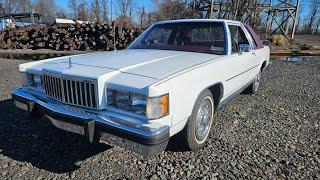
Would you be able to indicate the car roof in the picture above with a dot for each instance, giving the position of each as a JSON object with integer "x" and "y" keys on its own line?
{"x": 198, "y": 20}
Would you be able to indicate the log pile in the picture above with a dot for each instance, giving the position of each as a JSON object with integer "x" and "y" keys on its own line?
{"x": 91, "y": 36}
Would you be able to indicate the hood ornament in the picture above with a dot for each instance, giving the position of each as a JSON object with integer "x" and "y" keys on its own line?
{"x": 70, "y": 63}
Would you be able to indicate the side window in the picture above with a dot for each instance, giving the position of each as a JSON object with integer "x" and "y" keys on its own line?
{"x": 243, "y": 38}
{"x": 238, "y": 38}
{"x": 234, "y": 39}
{"x": 252, "y": 40}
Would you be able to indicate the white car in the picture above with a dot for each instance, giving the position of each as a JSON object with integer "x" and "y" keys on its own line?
{"x": 170, "y": 81}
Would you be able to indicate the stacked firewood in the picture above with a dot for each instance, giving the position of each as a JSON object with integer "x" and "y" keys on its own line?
{"x": 89, "y": 36}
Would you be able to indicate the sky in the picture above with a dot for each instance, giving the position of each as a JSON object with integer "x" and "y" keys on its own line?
{"x": 149, "y": 5}
{"x": 139, "y": 3}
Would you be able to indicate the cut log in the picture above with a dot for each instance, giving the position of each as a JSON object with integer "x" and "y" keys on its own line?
{"x": 92, "y": 36}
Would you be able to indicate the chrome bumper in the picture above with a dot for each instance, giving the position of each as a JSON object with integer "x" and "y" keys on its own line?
{"x": 106, "y": 125}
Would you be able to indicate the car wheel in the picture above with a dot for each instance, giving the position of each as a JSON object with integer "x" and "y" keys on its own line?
{"x": 199, "y": 124}
{"x": 253, "y": 88}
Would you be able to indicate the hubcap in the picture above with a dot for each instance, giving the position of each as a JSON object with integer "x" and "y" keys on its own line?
{"x": 203, "y": 119}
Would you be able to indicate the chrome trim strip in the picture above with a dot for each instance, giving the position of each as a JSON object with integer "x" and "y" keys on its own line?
{"x": 71, "y": 87}
{"x": 52, "y": 87}
{"x": 58, "y": 89}
{"x": 67, "y": 89}
{"x": 81, "y": 99}
{"x": 91, "y": 101}
{"x": 49, "y": 87}
{"x": 85, "y": 93}
{"x": 76, "y": 91}
{"x": 233, "y": 95}
{"x": 62, "y": 90}
{"x": 242, "y": 73}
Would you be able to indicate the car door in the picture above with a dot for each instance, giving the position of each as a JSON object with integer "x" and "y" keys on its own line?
{"x": 255, "y": 51}
{"x": 240, "y": 61}
{"x": 246, "y": 47}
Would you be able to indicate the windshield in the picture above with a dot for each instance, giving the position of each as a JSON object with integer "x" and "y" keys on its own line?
{"x": 202, "y": 37}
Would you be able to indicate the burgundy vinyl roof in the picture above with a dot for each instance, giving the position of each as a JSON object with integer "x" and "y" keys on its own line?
{"x": 255, "y": 36}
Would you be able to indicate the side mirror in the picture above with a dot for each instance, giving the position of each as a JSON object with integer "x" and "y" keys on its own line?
{"x": 244, "y": 47}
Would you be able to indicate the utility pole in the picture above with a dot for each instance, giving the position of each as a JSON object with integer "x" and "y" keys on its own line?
{"x": 296, "y": 19}
{"x": 211, "y": 10}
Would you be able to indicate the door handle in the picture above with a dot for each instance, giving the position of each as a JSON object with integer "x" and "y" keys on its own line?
{"x": 254, "y": 53}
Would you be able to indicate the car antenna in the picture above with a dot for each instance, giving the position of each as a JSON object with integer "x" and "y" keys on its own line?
{"x": 114, "y": 36}
{"x": 114, "y": 26}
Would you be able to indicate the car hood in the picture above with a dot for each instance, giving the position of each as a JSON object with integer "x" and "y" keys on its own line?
{"x": 155, "y": 64}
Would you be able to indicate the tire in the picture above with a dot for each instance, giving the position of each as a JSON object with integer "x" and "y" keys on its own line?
{"x": 253, "y": 88}
{"x": 193, "y": 137}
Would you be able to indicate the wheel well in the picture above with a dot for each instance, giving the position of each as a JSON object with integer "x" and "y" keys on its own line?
{"x": 264, "y": 64}
{"x": 217, "y": 93}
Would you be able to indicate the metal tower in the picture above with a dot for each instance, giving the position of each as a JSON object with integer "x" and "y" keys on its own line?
{"x": 273, "y": 16}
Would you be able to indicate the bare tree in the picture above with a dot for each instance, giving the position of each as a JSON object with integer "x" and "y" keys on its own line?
{"x": 16, "y": 6}
{"x": 104, "y": 10}
{"x": 82, "y": 13}
{"x": 125, "y": 18}
{"x": 73, "y": 5}
{"x": 45, "y": 7}
{"x": 142, "y": 16}
{"x": 315, "y": 11}
{"x": 125, "y": 7}
{"x": 173, "y": 9}
{"x": 61, "y": 13}
{"x": 96, "y": 10}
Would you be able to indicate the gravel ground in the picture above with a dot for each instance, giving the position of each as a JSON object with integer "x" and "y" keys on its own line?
{"x": 271, "y": 135}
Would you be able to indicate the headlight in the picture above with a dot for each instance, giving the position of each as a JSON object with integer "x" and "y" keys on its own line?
{"x": 122, "y": 98}
{"x": 26, "y": 79}
{"x": 111, "y": 97}
{"x": 36, "y": 81}
{"x": 127, "y": 101}
{"x": 152, "y": 108}
{"x": 138, "y": 100}
{"x": 31, "y": 80}
{"x": 158, "y": 107}
{"x": 138, "y": 103}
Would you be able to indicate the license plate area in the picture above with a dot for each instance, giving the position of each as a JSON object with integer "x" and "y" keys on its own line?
{"x": 67, "y": 126}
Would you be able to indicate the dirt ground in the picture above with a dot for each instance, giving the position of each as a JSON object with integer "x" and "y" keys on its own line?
{"x": 313, "y": 40}
{"x": 300, "y": 42}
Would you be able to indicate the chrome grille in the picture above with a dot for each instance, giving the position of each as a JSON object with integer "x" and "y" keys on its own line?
{"x": 71, "y": 91}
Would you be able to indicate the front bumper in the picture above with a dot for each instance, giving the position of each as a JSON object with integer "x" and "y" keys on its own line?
{"x": 107, "y": 126}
